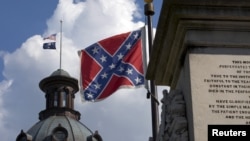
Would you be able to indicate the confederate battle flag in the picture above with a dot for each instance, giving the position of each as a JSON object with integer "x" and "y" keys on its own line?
{"x": 110, "y": 64}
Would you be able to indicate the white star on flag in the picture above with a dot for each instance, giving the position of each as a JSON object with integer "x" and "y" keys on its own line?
{"x": 129, "y": 71}
{"x": 103, "y": 58}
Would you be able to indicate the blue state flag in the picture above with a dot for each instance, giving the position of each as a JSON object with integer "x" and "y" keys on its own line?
{"x": 49, "y": 45}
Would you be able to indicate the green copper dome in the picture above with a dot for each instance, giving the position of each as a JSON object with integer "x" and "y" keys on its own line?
{"x": 60, "y": 72}
{"x": 60, "y": 128}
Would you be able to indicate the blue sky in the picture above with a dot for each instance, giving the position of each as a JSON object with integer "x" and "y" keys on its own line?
{"x": 23, "y": 62}
{"x": 23, "y": 19}
{"x": 27, "y": 18}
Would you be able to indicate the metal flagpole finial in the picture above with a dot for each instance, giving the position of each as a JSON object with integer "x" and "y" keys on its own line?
{"x": 149, "y": 8}
{"x": 148, "y": 1}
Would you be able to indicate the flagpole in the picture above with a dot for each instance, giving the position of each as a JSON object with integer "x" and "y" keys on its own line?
{"x": 60, "y": 44}
{"x": 149, "y": 11}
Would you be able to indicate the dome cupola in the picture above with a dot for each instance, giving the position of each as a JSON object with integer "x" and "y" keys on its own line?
{"x": 59, "y": 89}
{"x": 59, "y": 121}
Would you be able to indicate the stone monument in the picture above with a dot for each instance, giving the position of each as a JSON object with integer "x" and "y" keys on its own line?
{"x": 202, "y": 51}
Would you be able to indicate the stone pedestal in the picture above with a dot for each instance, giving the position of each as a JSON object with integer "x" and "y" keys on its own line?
{"x": 202, "y": 50}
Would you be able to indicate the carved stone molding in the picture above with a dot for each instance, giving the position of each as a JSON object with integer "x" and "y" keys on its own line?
{"x": 173, "y": 117}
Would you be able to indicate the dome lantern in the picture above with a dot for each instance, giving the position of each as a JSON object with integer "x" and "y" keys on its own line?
{"x": 59, "y": 121}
